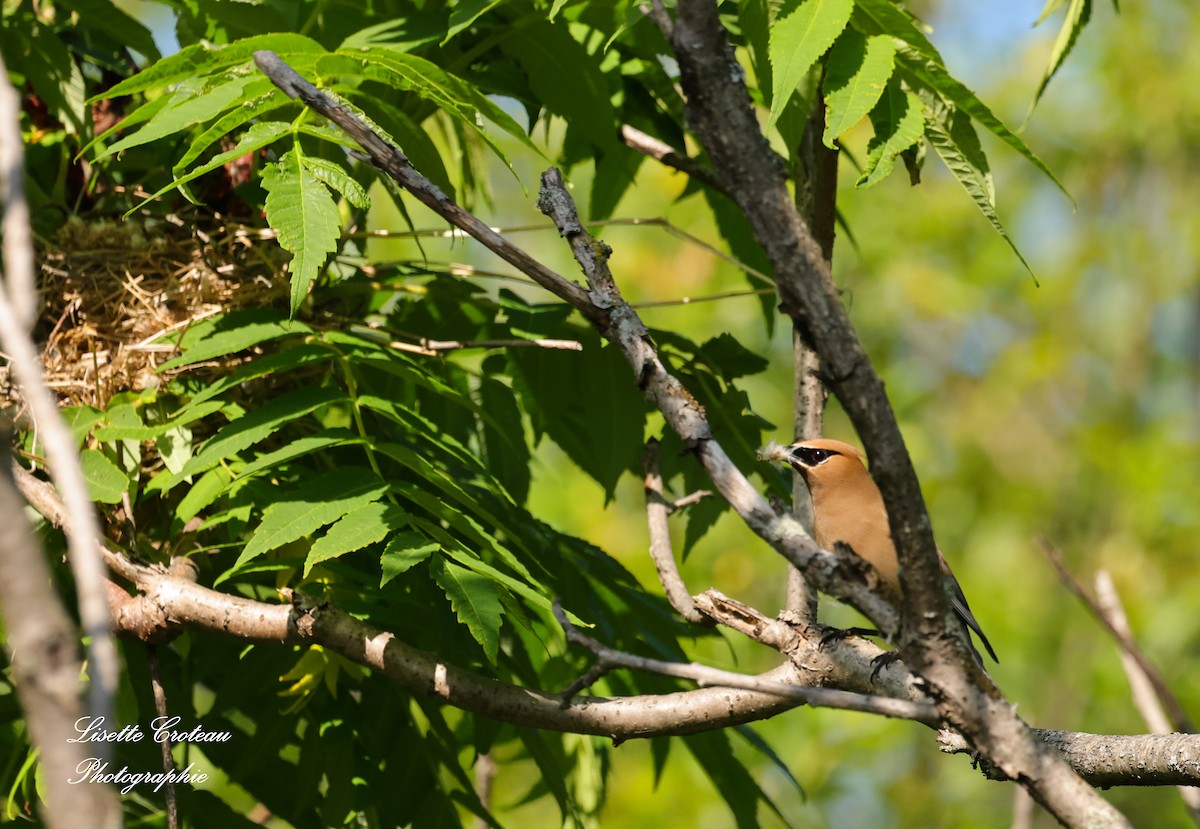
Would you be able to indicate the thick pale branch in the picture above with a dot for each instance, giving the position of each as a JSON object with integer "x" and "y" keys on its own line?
{"x": 43, "y": 646}
{"x": 16, "y": 310}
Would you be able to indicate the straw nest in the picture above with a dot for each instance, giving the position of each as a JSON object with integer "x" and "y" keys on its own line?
{"x": 115, "y": 295}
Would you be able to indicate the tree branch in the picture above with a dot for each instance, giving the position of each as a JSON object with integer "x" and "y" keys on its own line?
{"x": 718, "y": 111}
{"x": 657, "y": 512}
{"x": 17, "y": 301}
{"x": 43, "y": 648}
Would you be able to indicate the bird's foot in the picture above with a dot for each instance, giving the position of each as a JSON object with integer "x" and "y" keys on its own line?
{"x": 882, "y": 661}
{"x": 838, "y": 634}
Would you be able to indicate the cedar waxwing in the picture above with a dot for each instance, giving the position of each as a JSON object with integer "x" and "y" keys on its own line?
{"x": 848, "y": 507}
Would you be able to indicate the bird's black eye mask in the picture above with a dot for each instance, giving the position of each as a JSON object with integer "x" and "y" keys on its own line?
{"x": 811, "y": 456}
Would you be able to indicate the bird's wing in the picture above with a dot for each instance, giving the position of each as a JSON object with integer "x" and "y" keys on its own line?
{"x": 959, "y": 602}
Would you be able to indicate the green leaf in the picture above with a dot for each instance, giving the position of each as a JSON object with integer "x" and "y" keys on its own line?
{"x": 466, "y": 12}
{"x": 730, "y": 359}
{"x": 231, "y": 333}
{"x": 886, "y": 17}
{"x": 319, "y": 501}
{"x": 305, "y": 216}
{"x": 566, "y": 79}
{"x": 305, "y": 445}
{"x": 202, "y": 493}
{"x": 260, "y": 97}
{"x": 258, "y": 425}
{"x": 52, "y": 72}
{"x": 203, "y": 59}
{"x": 922, "y": 71}
{"x": 855, "y": 78}
{"x": 803, "y": 31}
{"x": 504, "y": 446}
{"x": 1078, "y": 14}
{"x": 404, "y": 551}
{"x": 80, "y": 420}
{"x": 476, "y": 602}
{"x": 335, "y": 177}
{"x": 287, "y": 359}
{"x": 899, "y": 121}
{"x": 118, "y": 431}
{"x": 355, "y": 530}
{"x": 191, "y": 103}
{"x": 105, "y": 481}
{"x": 950, "y": 132}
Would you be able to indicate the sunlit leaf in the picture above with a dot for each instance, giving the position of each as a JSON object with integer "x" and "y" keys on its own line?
{"x": 304, "y": 214}
{"x": 855, "y": 78}
{"x": 803, "y": 31}
{"x": 355, "y": 530}
{"x": 476, "y": 602}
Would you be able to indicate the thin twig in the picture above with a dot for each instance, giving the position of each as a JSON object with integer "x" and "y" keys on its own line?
{"x": 1144, "y": 696}
{"x": 1178, "y": 717}
{"x": 667, "y": 155}
{"x": 657, "y": 511}
{"x": 160, "y": 708}
{"x": 707, "y": 676}
{"x": 390, "y": 160}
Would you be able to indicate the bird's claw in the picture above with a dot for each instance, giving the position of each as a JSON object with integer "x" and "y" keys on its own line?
{"x": 882, "y": 661}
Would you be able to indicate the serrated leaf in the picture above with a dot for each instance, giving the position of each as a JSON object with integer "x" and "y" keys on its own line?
{"x": 922, "y": 71}
{"x": 855, "y": 77}
{"x": 305, "y": 445}
{"x": 319, "y": 501}
{"x": 305, "y": 216}
{"x": 337, "y": 179}
{"x": 886, "y": 17}
{"x": 204, "y": 58}
{"x": 899, "y": 121}
{"x": 259, "y": 424}
{"x": 476, "y": 603}
{"x": 287, "y": 359}
{"x": 566, "y": 79}
{"x": 585, "y": 401}
{"x": 191, "y": 103}
{"x": 260, "y": 96}
{"x": 1078, "y": 14}
{"x": 730, "y": 359}
{"x": 1050, "y": 8}
{"x": 119, "y": 431}
{"x": 466, "y": 12}
{"x": 105, "y": 481}
{"x": 231, "y": 333}
{"x": 803, "y": 31}
{"x": 504, "y": 446}
{"x": 355, "y": 530}
{"x": 207, "y": 489}
{"x": 404, "y": 551}
{"x": 952, "y": 135}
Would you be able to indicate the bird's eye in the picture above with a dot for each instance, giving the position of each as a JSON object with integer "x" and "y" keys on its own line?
{"x": 811, "y": 456}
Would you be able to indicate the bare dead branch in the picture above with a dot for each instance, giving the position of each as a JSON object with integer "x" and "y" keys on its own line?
{"x": 1145, "y": 695}
{"x": 667, "y": 155}
{"x": 1129, "y": 648}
